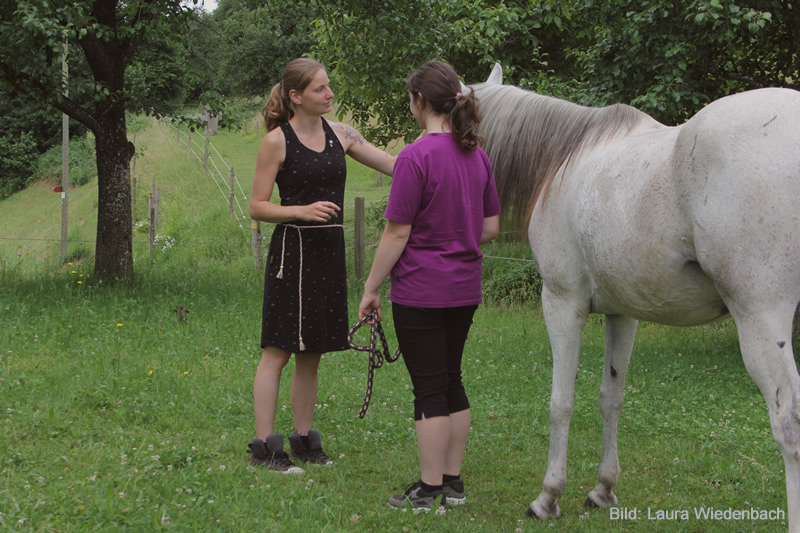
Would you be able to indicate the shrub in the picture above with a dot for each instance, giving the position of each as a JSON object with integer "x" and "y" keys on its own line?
{"x": 511, "y": 282}
{"x": 82, "y": 162}
{"x": 17, "y": 163}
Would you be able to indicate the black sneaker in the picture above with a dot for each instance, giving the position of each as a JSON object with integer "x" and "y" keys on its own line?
{"x": 419, "y": 500}
{"x": 271, "y": 455}
{"x": 309, "y": 449}
{"x": 454, "y": 491}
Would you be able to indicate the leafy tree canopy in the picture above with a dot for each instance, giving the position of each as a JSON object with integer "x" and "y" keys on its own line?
{"x": 668, "y": 58}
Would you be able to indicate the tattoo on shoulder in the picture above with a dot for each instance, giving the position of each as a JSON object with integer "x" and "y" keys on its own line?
{"x": 349, "y": 132}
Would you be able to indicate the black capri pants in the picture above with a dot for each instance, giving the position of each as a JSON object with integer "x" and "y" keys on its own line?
{"x": 432, "y": 342}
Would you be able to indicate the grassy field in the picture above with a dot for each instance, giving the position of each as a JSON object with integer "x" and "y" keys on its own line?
{"x": 121, "y": 412}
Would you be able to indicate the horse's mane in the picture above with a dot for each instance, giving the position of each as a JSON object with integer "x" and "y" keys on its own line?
{"x": 530, "y": 136}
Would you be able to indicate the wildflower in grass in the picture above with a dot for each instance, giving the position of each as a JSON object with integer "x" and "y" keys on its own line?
{"x": 151, "y": 372}
{"x": 119, "y": 325}
{"x": 80, "y": 282}
{"x": 186, "y": 373}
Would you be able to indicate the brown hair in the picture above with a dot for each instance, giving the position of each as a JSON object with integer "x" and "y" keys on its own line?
{"x": 440, "y": 87}
{"x": 297, "y": 75}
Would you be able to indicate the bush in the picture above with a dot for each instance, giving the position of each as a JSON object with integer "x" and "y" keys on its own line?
{"x": 374, "y": 214}
{"x": 17, "y": 163}
{"x": 510, "y": 282}
{"x": 82, "y": 162}
{"x": 137, "y": 123}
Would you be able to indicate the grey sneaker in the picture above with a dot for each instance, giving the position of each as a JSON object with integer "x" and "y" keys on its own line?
{"x": 309, "y": 449}
{"x": 419, "y": 500}
{"x": 271, "y": 455}
{"x": 454, "y": 491}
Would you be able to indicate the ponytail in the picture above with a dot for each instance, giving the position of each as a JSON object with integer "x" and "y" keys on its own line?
{"x": 464, "y": 119}
{"x": 278, "y": 108}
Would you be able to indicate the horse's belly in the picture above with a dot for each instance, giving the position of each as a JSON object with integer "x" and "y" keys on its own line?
{"x": 682, "y": 296}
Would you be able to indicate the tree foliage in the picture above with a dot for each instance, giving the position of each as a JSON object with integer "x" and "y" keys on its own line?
{"x": 668, "y": 58}
{"x": 260, "y": 40}
{"x": 671, "y": 58}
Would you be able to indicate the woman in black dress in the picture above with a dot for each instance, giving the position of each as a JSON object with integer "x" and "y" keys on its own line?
{"x": 305, "y": 287}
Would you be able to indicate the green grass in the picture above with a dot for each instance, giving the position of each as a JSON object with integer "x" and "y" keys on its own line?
{"x": 117, "y": 415}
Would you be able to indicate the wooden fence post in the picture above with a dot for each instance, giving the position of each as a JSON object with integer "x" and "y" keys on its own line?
{"x": 358, "y": 255}
{"x": 256, "y": 130}
{"x": 244, "y": 126}
{"x": 153, "y": 206}
{"x": 380, "y": 179}
{"x": 205, "y": 158}
{"x": 133, "y": 196}
{"x": 230, "y": 200}
{"x": 157, "y": 202}
{"x": 188, "y": 143}
{"x": 257, "y": 244}
{"x": 151, "y": 219}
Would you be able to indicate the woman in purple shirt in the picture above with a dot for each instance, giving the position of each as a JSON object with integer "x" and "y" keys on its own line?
{"x": 442, "y": 206}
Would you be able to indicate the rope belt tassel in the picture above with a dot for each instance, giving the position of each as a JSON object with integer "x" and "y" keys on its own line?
{"x": 376, "y": 355}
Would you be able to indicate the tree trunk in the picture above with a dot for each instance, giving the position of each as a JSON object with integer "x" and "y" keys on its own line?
{"x": 114, "y": 249}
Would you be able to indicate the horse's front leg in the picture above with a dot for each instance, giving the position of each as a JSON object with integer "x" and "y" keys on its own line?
{"x": 564, "y": 320}
{"x": 620, "y": 334}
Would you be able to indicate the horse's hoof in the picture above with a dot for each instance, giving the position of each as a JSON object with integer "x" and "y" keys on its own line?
{"x": 530, "y": 513}
{"x": 544, "y": 513}
{"x": 596, "y": 501}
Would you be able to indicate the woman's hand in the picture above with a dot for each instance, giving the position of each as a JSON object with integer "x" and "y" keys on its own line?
{"x": 319, "y": 212}
{"x": 369, "y": 302}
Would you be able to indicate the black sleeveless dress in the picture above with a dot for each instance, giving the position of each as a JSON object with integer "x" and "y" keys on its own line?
{"x": 305, "y": 283}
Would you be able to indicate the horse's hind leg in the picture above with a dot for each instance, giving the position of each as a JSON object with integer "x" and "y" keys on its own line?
{"x": 564, "y": 320}
{"x": 766, "y": 343}
{"x": 620, "y": 334}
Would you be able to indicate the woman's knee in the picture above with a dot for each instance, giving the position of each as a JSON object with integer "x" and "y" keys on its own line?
{"x": 276, "y": 358}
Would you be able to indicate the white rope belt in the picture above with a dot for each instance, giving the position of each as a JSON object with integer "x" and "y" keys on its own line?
{"x": 302, "y": 346}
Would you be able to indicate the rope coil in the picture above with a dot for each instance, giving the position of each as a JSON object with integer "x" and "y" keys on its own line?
{"x": 376, "y": 355}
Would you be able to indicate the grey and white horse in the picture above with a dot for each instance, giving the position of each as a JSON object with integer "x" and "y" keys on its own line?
{"x": 677, "y": 225}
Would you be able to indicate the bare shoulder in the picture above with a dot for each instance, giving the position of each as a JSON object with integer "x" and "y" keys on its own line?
{"x": 274, "y": 139}
{"x": 273, "y": 144}
{"x": 347, "y": 134}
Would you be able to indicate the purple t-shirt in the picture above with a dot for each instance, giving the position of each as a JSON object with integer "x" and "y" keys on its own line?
{"x": 444, "y": 192}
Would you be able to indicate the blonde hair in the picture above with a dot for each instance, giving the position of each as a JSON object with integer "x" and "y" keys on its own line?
{"x": 297, "y": 75}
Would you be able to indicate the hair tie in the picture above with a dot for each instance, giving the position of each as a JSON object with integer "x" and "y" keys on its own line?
{"x": 458, "y": 95}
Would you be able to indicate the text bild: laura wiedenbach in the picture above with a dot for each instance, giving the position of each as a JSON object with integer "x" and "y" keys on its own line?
{"x": 700, "y": 513}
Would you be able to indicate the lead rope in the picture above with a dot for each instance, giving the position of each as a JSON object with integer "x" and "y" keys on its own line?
{"x": 376, "y": 356}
